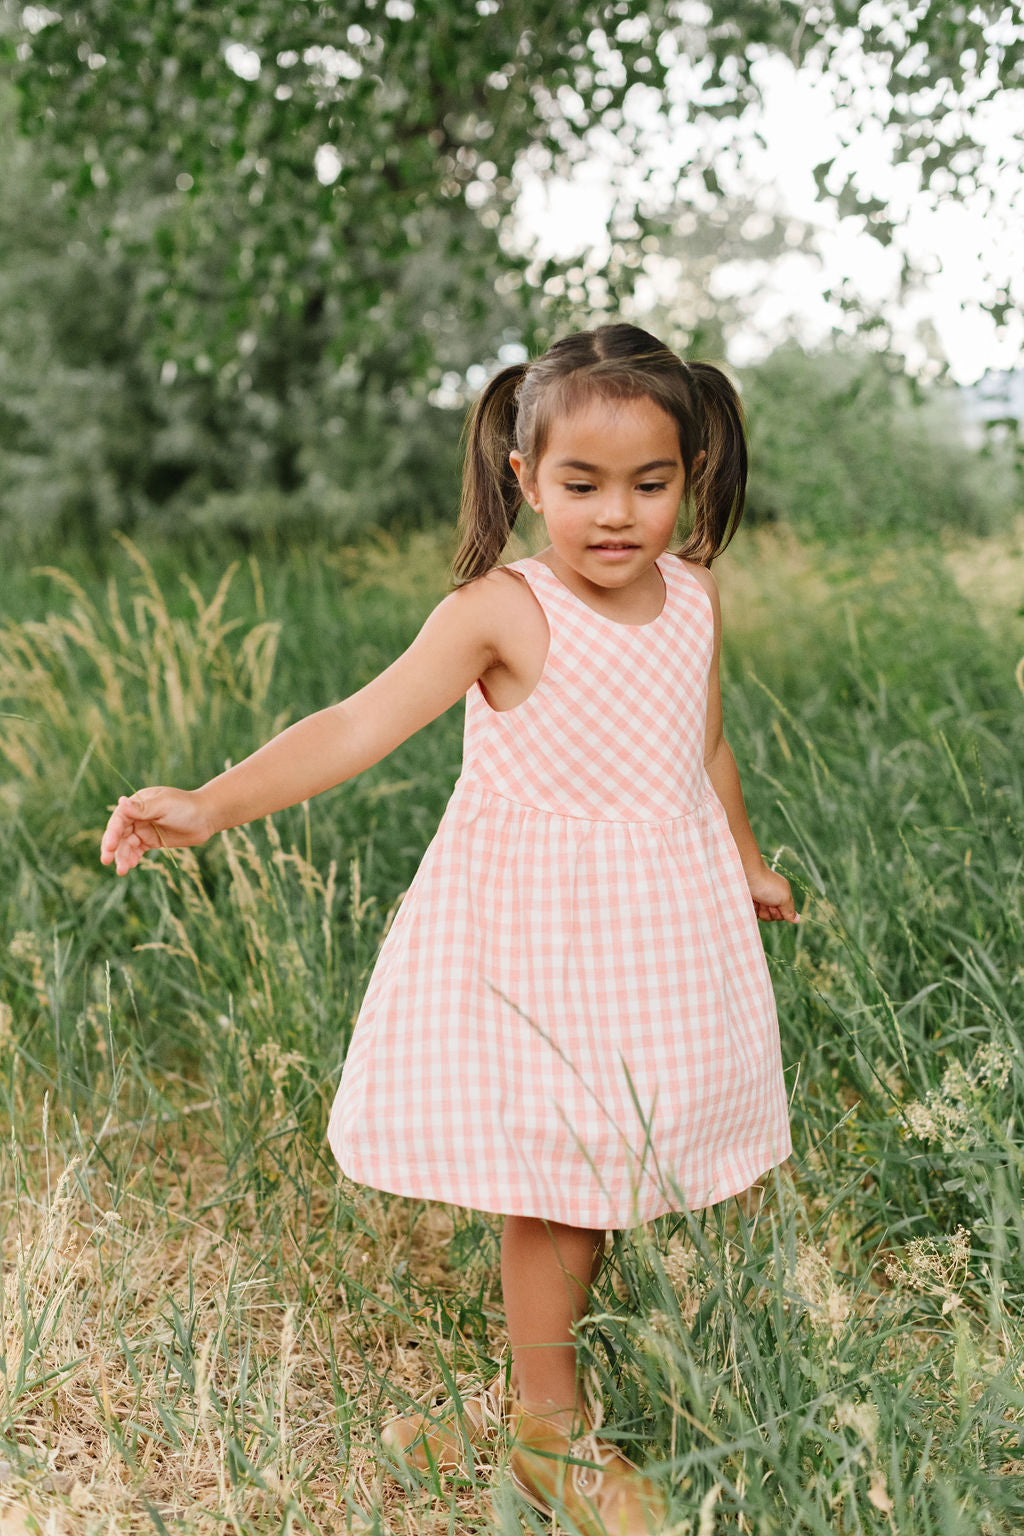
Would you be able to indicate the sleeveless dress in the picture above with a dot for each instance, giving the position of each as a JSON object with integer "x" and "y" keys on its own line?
{"x": 571, "y": 1015}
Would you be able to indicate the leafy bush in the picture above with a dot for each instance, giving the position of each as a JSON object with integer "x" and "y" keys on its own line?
{"x": 843, "y": 443}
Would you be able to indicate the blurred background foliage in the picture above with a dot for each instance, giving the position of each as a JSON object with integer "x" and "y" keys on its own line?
{"x": 254, "y": 263}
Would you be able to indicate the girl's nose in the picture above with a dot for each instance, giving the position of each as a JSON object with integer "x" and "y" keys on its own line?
{"x": 615, "y": 509}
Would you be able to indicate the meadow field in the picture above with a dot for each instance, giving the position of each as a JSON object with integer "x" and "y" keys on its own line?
{"x": 202, "y": 1324}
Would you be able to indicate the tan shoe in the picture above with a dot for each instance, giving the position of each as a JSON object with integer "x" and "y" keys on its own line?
{"x": 582, "y": 1476}
{"x": 450, "y": 1436}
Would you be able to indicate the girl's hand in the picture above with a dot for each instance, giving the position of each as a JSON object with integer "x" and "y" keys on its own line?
{"x": 772, "y": 896}
{"x": 156, "y": 817}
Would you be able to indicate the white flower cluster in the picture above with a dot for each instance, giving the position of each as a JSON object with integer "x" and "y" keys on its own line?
{"x": 950, "y": 1113}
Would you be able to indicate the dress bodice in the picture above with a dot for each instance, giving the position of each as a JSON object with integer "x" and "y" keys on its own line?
{"x": 615, "y": 726}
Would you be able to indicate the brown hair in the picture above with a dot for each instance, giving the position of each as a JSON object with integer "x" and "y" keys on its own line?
{"x": 619, "y": 362}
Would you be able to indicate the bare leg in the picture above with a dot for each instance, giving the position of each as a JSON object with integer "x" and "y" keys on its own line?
{"x": 547, "y": 1270}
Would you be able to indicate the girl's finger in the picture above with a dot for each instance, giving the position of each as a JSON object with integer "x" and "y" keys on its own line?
{"x": 119, "y": 823}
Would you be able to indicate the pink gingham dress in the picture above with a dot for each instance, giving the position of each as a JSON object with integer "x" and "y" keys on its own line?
{"x": 571, "y": 1015}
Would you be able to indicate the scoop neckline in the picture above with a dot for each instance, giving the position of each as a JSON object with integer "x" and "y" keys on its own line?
{"x": 618, "y": 623}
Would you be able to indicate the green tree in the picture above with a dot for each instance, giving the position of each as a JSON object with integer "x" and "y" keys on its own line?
{"x": 199, "y": 131}
{"x": 97, "y": 433}
{"x": 249, "y": 253}
{"x": 275, "y": 160}
{"x": 844, "y": 442}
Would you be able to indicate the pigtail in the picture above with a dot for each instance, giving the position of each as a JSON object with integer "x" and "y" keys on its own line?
{"x": 719, "y": 483}
{"x": 491, "y": 496}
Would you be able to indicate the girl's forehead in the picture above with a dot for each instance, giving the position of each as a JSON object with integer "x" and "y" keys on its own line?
{"x": 615, "y": 426}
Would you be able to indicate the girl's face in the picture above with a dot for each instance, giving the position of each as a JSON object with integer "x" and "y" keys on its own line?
{"x": 608, "y": 485}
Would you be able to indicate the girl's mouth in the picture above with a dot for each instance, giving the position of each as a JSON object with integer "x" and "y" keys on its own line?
{"x": 614, "y": 552}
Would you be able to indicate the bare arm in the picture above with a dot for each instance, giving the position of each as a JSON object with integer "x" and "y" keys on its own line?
{"x": 718, "y": 758}
{"x": 769, "y": 890}
{"x": 725, "y": 776}
{"x": 452, "y": 649}
{"x": 337, "y": 743}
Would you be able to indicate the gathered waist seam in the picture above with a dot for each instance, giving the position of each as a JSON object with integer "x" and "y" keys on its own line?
{"x": 611, "y": 821}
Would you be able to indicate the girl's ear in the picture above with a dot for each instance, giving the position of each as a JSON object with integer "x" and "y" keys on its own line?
{"x": 695, "y": 465}
{"x": 527, "y": 484}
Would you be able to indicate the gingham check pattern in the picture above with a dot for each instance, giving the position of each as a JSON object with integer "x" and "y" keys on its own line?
{"x": 571, "y": 1015}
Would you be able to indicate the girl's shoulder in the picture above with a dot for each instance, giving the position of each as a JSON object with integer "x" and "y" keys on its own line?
{"x": 500, "y": 584}
{"x": 495, "y": 585}
{"x": 504, "y": 603}
{"x": 701, "y": 572}
{"x": 508, "y": 588}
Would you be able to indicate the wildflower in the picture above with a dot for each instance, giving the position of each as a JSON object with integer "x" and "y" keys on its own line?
{"x": 952, "y": 1113}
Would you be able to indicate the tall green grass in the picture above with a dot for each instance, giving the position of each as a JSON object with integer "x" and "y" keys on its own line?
{"x": 202, "y": 1323}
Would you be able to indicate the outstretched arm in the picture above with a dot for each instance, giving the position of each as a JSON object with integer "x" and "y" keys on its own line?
{"x": 453, "y": 648}
{"x": 769, "y": 890}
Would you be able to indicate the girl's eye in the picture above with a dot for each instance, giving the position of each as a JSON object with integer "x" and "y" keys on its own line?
{"x": 580, "y": 487}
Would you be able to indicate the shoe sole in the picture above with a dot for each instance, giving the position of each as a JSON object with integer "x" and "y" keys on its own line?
{"x": 531, "y": 1498}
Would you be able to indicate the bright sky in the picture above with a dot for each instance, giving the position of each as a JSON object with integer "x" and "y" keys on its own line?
{"x": 969, "y": 253}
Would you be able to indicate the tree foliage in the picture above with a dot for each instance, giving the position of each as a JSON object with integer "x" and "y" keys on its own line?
{"x": 197, "y": 133}
{"x": 842, "y": 442}
{"x": 202, "y": 130}
{"x": 250, "y": 253}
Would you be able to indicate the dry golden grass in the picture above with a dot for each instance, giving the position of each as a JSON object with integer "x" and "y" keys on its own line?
{"x": 149, "y": 1348}
{"x": 990, "y": 571}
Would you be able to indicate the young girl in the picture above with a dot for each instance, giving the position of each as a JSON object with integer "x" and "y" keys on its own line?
{"x": 571, "y": 1020}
